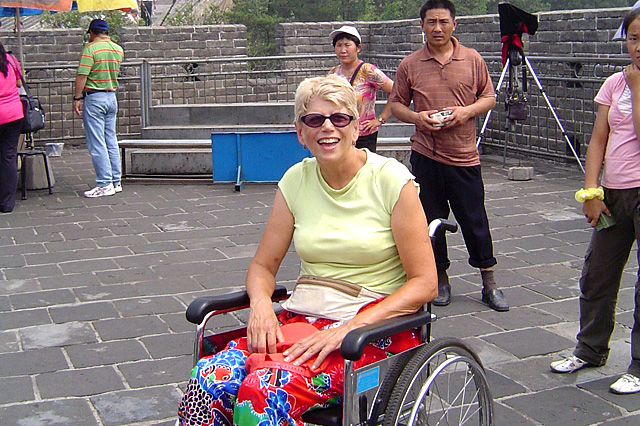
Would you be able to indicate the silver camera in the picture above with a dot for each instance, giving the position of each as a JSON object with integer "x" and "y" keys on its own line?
{"x": 440, "y": 116}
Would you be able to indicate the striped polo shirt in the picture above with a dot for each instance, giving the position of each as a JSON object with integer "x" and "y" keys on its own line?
{"x": 100, "y": 62}
{"x": 460, "y": 81}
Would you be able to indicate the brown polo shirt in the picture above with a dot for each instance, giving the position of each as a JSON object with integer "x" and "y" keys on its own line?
{"x": 432, "y": 86}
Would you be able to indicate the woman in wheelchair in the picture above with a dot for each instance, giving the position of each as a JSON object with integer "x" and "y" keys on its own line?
{"x": 357, "y": 224}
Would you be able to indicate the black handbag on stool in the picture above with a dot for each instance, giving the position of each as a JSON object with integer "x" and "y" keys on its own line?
{"x": 33, "y": 112}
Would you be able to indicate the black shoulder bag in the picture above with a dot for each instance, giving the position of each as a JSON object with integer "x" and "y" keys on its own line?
{"x": 33, "y": 112}
{"x": 355, "y": 73}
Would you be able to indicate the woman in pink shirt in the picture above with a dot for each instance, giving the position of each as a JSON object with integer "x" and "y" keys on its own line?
{"x": 613, "y": 210}
{"x": 11, "y": 116}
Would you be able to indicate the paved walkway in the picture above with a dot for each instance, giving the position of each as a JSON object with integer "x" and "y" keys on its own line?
{"x": 93, "y": 293}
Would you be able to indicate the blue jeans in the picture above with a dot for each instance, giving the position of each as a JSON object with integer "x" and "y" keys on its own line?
{"x": 99, "y": 117}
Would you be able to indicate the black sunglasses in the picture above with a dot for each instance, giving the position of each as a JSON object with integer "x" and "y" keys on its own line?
{"x": 338, "y": 119}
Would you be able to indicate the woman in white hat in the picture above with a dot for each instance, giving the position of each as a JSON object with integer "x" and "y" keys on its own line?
{"x": 366, "y": 79}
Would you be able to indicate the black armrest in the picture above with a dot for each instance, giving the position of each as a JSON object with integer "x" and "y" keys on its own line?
{"x": 201, "y": 306}
{"x": 355, "y": 341}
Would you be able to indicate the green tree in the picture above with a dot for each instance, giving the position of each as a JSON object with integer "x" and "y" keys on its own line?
{"x": 74, "y": 19}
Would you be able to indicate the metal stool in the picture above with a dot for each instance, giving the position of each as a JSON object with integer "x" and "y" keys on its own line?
{"x": 28, "y": 152}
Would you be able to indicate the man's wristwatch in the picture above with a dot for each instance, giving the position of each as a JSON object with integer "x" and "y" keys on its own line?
{"x": 382, "y": 120}
{"x": 78, "y": 99}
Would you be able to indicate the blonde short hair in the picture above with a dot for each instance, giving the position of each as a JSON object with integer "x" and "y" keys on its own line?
{"x": 330, "y": 88}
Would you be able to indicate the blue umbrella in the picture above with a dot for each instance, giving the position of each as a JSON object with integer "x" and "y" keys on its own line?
{"x": 22, "y": 11}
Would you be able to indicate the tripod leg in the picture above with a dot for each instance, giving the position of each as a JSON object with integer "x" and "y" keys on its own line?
{"x": 486, "y": 119}
{"x": 553, "y": 112}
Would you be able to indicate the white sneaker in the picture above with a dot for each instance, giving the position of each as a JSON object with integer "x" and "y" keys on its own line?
{"x": 569, "y": 364}
{"x": 118, "y": 188}
{"x": 100, "y": 191}
{"x": 626, "y": 384}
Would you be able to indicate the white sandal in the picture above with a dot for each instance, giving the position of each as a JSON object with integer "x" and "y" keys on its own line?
{"x": 569, "y": 364}
{"x": 626, "y": 384}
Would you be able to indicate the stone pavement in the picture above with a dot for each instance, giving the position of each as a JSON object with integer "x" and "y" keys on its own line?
{"x": 93, "y": 294}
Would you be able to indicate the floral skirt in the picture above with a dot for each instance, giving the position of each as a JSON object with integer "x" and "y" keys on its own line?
{"x": 221, "y": 392}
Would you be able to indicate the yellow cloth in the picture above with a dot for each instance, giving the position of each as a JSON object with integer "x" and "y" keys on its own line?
{"x": 87, "y": 5}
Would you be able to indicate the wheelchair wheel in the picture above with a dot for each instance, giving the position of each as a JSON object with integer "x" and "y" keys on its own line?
{"x": 443, "y": 384}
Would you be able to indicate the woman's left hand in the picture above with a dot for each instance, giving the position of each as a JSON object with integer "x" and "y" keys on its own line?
{"x": 321, "y": 343}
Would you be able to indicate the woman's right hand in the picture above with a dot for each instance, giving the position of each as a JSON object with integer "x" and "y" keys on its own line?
{"x": 592, "y": 210}
{"x": 263, "y": 330}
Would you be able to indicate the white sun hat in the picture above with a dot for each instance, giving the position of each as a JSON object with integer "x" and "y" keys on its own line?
{"x": 348, "y": 29}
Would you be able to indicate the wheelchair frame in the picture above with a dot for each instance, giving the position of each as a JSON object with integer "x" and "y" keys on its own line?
{"x": 370, "y": 392}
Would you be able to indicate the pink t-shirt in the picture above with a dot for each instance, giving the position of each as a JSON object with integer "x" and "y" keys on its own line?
{"x": 368, "y": 80}
{"x": 10, "y": 104}
{"x": 622, "y": 157}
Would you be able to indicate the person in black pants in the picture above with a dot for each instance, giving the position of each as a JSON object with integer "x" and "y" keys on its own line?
{"x": 11, "y": 115}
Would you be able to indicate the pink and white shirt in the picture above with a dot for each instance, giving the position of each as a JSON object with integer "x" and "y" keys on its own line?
{"x": 622, "y": 156}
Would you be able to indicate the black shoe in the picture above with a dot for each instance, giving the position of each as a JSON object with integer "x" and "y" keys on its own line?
{"x": 444, "y": 295}
{"x": 496, "y": 300}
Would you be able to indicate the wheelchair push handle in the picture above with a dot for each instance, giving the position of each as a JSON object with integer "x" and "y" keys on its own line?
{"x": 440, "y": 226}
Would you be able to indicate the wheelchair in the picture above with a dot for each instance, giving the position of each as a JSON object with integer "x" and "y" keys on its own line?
{"x": 439, "y": 382}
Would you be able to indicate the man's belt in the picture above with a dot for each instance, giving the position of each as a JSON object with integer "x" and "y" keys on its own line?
{"x": 91, "y": 92}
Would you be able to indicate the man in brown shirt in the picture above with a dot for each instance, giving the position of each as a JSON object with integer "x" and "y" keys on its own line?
{"x": 448, "y": 78}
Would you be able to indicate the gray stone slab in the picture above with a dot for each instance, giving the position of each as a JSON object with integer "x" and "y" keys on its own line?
{"x": 624, "y": 421}
{"x": 518, "y": 317}
{"x": 160, "y": 247}
{"x": 502, "y": 386}
{"x": 9, "y": 341}
{"x": 601, "y": 388}
{"x": 148, "y": 306}
{"x": 522, "y": 296}
{"x": 564, "y": 406}
{"x": 106, "y": 353}
{"x": 32, "y": 362}
{"x": 50, "y": 413}
{"x": 507, "y": 416}
{"x": 82, "y": 382}
{"x": 126, "y": 276}
{"x": 42, "y": 298}
{"x": 568, "y": 310}
{"x": 86, "y": 311}
{"x": 107, "y": 292}
{"x": 16, "y": 389}
{"x": 57, "y": 335}
{"x": 23, "y": 318}
{"x": 91, "y": 265}
{"x": 556, "y": 289}
{"x": 157, "y": 372}
{"x": 140, "y": 405}
{"x": 137, "y": 261}
{"x": 462, "y": 326}
{"x": 169, "y": 345}
{"x": 123, "y": 328}
{"x": 529, "y": 342}
{"x": 26, "y": 272}
{"x": 8, "y": 286}
{"x": 171, "y": 286}
{"x": 85, "y": 279}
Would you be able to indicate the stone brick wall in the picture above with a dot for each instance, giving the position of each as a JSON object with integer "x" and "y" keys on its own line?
{"x": 56, "y": 46}
{"x": 563, "y": 33}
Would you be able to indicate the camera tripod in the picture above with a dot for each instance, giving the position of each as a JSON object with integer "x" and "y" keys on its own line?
{"x": 517, "y": 58}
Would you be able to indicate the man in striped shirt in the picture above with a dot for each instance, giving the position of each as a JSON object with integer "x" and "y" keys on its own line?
{"x": 95, "y": 101}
